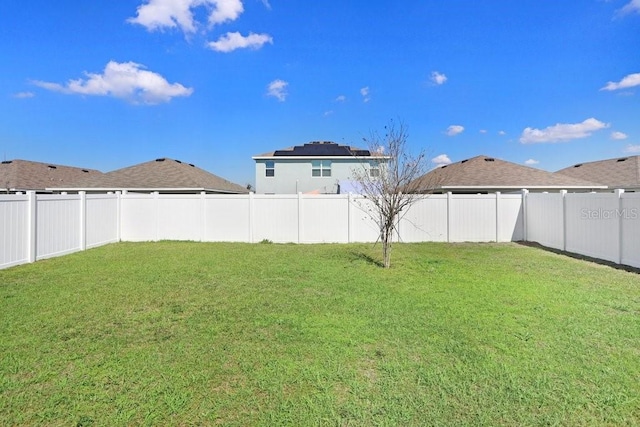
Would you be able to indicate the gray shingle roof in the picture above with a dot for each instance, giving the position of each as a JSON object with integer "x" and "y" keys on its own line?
{"x": 159, "y": 175}
{"x": 21, "y": 175}
{"x": 483, "y": 172}
{"x": 622, "y": 172}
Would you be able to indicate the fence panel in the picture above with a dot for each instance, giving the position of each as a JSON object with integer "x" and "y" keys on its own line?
{"x": 472, "y": 218}
{"x": 180, "y": 217}
{"x": 139, "y": 217}
{"x": 425, "y": 220}
{"x": 510, "y": 218}
{"x": 14, "y": 230}
{"x": 545, "y": 223}
{"x": 101, "y": 219}
{"x": 227, "y": 218}
{"x": 630, "y": 229}
{"x": 363, "y": 229}
{"x": 325, "y": 219}
{"x": 592, "y": 225}
{"x": 276, "y": 218}
{"x": 58, "y": 225}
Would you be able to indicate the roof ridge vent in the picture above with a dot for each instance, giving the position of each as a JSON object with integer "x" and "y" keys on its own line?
{"x": 192, "y": 165}
{"x": 622, "y": 159}
{"x": 160, "y": 160}
{"x": 489, "y": 159}
{"x": 578, "y": 165}
{"x": 177, "y": 161}
{"x": 85, "y": 171}
{"x": 464, "y": 161}
{"x": 52, "y": 167}
{"x": 6, "y": 162}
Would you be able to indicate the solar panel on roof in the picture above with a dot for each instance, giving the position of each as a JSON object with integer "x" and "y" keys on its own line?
{"x": 319, "y": 149}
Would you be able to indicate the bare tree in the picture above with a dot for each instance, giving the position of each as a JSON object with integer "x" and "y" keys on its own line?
{"x": 390, "y": 184}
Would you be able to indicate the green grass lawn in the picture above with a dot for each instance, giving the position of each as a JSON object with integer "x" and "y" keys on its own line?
{"x": 178, "y": 333}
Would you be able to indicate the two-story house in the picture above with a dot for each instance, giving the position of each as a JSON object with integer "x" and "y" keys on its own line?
{"x": 317, "y": 167}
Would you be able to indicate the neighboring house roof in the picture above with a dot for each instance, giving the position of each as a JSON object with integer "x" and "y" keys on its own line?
{"x": 164, "y": 175}
{"x": 319, "y": 149}
{"x": 622, "y": 172}
{"x": 483, "y": 173}
{"x": 23, "y": 175}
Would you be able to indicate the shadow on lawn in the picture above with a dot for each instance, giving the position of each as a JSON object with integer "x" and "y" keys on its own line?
{"x": 361, "y": 256}
{"x": 582, "y": 257}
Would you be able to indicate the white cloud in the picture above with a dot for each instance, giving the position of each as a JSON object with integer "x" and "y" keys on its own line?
{"x": 232, "y": 41}
{"x": 341, "y": 98}
{"x": 483, "y": 131}
{"x": 266, "y": 4}
{"x": 502, "y": 133}
{"x": 225, "y": 10}
{"x": 126, "y": 80}
{"x": 365, "y": 94}
{"x": 618, "y": 135}
{"x": 632, "y": 149}
{"x": 531, "y": 162}
{"x": 561, "y": 132}
{"x": 454, "y": 130}
{"x": 631, "y": 80}
{"x": 278, "y": 89}
{"x": 441, "y": 160}
{"x": 438, "y": 78}
{"x": 328, "y": 113}
{"x": 160, "y": 14}
{"x": 24, "y": 95}
{"x": 632, "y": 6}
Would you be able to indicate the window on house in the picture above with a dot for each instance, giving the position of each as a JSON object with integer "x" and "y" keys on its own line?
{"x": 321, "y": 168}
{"x": 374, "y": 169}
{"x": 270, "y": 168}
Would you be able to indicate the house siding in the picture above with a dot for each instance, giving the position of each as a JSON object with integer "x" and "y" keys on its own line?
{"x": 294, "y": 175}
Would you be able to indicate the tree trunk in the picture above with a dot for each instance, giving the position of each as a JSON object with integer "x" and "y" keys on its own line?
{"x": 386, "y": 247}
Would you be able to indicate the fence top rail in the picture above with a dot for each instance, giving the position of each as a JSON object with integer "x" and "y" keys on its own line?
{"x": 13, "y": 197}
{"x": 57, "y": 197}
{"x": 597, "y": 195}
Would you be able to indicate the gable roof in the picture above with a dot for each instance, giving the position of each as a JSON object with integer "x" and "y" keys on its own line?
{"x": 166, "y": 175}
{"x": 319, "y": 149}
{"x": 490, "y": 174}
{"x": 23, "y": 175}
{"x": 622, "y": 172}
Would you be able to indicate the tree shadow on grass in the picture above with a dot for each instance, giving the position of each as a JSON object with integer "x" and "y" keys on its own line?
{"x": 573, "y": 255}
{"x": 361, "y": 256}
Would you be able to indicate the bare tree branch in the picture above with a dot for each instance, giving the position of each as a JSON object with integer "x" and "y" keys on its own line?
{"x": 395, "y": 186}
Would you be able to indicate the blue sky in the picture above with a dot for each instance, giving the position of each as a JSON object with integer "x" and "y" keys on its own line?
{"x": 109, "y": 84}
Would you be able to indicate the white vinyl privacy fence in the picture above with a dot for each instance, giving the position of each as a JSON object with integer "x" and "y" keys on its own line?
{"x": 315, "y": 218}
{"x": 598, "y": 225}
{"x": 34, "y": 227}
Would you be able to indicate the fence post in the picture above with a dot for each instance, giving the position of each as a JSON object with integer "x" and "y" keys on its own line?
{"x": 525, "y": 207}
{"x": 203, "y": 211}
{"x": 497, "y": 216}
{"x": 563, "y": 194}
{"x": 156, "y": 205}
{"x": 620, "y": 216}
{"x": 33, "y": 224}
{"x": 449, "y": 214}
{"x": 119, "y": 214}
{"x": 251, "y": 216}
{"x": 349, "y": 218}
{"x": 300, "y": 219}
{"x": 83, "y": 220}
